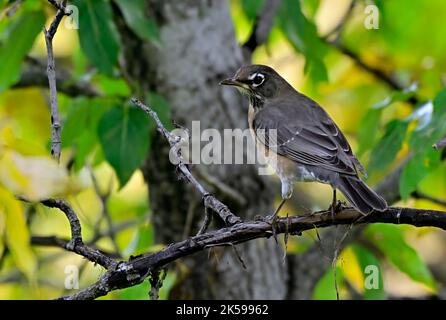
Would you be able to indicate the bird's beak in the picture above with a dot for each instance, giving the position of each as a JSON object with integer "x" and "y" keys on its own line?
{"x": 231, "y": 82}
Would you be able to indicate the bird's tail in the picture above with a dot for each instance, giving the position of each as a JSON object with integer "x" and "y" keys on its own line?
{"x": 361, "y": 196}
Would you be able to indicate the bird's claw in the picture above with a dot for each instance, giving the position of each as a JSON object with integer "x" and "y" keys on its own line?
{"x": 271, "y": 220}
{"x": 336, "y": 208}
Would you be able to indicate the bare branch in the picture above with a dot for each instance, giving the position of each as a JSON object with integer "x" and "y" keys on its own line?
{"x": 206, "y": 222}
{"x": 58, "y": 5}
{"x": 422, "y": 195}
{"x": 440, "y": 144}
{"x": 134, "y": 271}
{"x": 105, "y": 214}
{"x": 222, "y": 187}
{"x": 156, "y": 280}
{"x": 210, "y": 201}
{"x": 129, "y": 273}
{"x": 116, "y": 228}
{"x": 76, "y": 244}
{"x": 34, "y": 74}
{"x": 337, "y": 30}
{"x": 14, "y": 7}
{"x": 262, "y": 26}
{"x": 376, "y": 72}
{"x": 53, "y": 241}
{"x": 51, "y": 71}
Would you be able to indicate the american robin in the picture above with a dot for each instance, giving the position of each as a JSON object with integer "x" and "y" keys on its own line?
{"x": 306, "y": 144}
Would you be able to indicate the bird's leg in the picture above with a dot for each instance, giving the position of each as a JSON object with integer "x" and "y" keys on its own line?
{"x": 274, "y": 219}
{"x": 333, "y": 204}
{"x": 276, "y": 213}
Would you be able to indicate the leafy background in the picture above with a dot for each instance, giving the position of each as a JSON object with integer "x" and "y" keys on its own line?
{"x": 104, "y": 137}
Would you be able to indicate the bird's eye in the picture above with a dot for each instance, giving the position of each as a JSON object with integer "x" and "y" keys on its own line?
{"x": 258, "y": 79}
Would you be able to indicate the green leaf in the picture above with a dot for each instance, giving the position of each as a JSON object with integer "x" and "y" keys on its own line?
{"x": 2, "y": 3}
{"x": 325, "y": 287}
{"x": 368, "y": 129}
{"x": 431, "y": 127}
{"x": 168, "y": 284}
{"x": 389, "y": 239}
{"x": 303, "y": 36}
{"x": 385, "y": 151}
{"x": 112, "y": 86}
{"x": 251, "y": 8}
{"x": 124, "y": 136}
{"x": 143, "y": 238}
{"x": 433, "y": 131}
{"x": 416, "y": 169}
{"x": 86, "y": 143}
{"x": 18, "y": 40}
{"x": 98, "y": 35}
{"x": 138, "y": 292}
{"x": 380, "y": 5}
{"x": 365, "y": 260}
{"x": 80, "y": 127}
{"x": 310, "y": 7}
{"x": 133, "y": 12}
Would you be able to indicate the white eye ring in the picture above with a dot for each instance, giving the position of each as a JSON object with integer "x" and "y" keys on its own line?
{"x": 254, "y": 76}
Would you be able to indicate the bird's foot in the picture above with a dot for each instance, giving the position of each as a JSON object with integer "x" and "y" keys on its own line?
{"x": 272, "y": 221}
{"x": 335, "y": 207}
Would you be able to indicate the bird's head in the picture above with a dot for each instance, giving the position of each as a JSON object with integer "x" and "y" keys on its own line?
{"x": 257, "y": 80}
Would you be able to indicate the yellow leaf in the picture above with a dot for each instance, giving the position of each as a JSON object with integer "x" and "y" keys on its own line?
{"x": 352, "y": 269}
{"x": 9, "y": 141}
{"x": 17, "y": 234}
{"x": 2, "y": 232}
{"x": 35, "y": 178}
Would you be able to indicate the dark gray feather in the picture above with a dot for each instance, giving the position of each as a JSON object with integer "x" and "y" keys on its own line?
{"x": 305, "y": 134}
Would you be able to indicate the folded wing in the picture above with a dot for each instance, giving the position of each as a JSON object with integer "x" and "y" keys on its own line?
{"x": 308, "y": 137}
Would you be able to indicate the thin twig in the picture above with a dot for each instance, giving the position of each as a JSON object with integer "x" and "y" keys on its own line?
{"x": 76, "y": 244}
{"x": 337, "y": 30}
{"x": 223, "y": 188}
{"x": 189, "y": 218}
{"x": 440, "y": 144}
{"x": 34, "y": 74}
{"x": 156, "y": 280}
{"x": 13, "y": 9}
{"x": 116, "y": 229}
{"x": 376, "y": 72}
{"x": 209, "y": 200}
{"x": 206, "y": 222}
{"x": 422, "y": 195}
{"x": 239, "y": 257}
{"x": 103, "y": 198}
{"x": 262, "y": 26}
{"x": 51, "y": 71}
{"x": 53, "y": 241}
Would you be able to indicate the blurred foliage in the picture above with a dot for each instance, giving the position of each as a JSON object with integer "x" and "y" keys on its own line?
{"x": 303, "y": 36}
{"x": 106, "y": 137}
{"x": 17, "y": 39}
{"x": 390, "y": 240}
